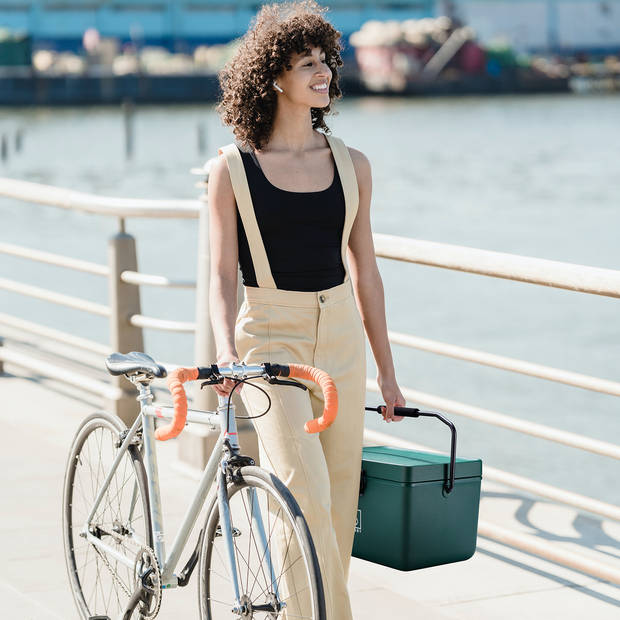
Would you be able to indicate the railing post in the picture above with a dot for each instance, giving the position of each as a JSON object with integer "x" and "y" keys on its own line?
{"x": 196, "y": 444}
{"x": 124, "y": 301}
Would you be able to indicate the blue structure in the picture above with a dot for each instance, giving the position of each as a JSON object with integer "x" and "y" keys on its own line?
{"x": 178, "y": 25}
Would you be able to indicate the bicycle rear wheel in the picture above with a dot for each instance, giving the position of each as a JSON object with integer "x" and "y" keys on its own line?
{"x": 101, "y": 584}
{"x": 281, "y": 566}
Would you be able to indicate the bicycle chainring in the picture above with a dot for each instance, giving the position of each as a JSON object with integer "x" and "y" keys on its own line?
{"x": 148, "y": 575}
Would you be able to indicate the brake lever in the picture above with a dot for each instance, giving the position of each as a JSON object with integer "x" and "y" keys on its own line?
{"x": 274, "y": 380}
{"x": 210, "y": 382}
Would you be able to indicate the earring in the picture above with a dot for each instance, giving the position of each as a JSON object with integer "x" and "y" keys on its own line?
{"x": 277, "y": 87}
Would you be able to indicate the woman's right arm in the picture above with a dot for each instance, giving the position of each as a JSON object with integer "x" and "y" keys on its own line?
{"x": 223, "y": 265}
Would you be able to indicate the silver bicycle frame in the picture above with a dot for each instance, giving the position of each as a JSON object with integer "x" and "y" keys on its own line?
{"x": 216, "y": 465}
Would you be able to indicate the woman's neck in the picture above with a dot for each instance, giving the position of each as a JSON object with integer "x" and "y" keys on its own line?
{"x": 292, "y": 132}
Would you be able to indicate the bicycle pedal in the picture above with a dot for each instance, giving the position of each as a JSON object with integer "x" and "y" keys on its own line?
{"x": 99, "y": 618}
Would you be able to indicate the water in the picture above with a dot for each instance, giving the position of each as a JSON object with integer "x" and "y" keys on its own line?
{"x": 533, "y": 175}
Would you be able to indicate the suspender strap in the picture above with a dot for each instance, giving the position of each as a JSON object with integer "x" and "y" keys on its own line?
{"x": 239, "y": 180}
{"x": 348, "y": 179}
{"x": 346, "y": 171}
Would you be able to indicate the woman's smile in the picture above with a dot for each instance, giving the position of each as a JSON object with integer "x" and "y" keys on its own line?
{"x": 321, "y": 87}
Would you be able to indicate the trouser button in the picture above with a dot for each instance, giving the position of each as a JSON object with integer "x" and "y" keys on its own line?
{"x": 322, "y": 298}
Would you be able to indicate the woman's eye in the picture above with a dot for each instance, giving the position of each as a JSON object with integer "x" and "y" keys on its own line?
{"x": 309, "y": 63}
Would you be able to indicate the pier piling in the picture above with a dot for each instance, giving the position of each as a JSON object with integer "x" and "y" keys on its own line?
{"x": 128, "y": 118}
{"x": 19, "y": 135}
{"x": 201, "y": 134}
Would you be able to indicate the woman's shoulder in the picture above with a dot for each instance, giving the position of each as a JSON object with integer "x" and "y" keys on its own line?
{"x": 361, "y": 165}
{"x": 219, "y": 183}
{"x": 358, "y": 158}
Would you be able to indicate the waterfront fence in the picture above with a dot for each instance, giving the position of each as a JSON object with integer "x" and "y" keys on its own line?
{"x": 127, "y": 323}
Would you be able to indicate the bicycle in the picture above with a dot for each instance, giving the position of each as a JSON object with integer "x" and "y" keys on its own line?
{"x": 112, "y": 514}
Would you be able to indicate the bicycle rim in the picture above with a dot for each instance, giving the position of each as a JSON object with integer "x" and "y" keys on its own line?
{"x": 101, "y": 584}
{"x": 296, "y": 575}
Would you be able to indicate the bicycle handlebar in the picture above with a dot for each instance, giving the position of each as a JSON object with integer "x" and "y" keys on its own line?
{"x": 215, "y": 374}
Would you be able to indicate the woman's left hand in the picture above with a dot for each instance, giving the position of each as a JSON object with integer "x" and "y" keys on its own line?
{"x": 392, "y": 397}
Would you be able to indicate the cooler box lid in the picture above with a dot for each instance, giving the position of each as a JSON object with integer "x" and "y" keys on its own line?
{"x": 414, "y": 466}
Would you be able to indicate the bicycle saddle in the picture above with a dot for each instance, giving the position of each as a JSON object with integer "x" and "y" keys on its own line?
{"x": 126, "y": 363}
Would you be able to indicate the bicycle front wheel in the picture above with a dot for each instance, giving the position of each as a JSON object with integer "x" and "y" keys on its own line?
{"x": 277, "y": 567}
{"x": 101, "y": 584}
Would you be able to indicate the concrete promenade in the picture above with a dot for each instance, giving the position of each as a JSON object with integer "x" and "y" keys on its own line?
{"x": 39, "y": 417}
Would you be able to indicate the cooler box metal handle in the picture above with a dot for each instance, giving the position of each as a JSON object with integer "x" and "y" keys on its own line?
{"x": 413, "y": 412}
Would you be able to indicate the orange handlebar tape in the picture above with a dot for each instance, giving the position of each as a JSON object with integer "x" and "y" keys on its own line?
{"x": 175, "y": 384}
{"x": 330, "y": 395}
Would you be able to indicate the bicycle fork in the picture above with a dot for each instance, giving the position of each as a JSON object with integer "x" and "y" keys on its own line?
{"x": 227, "y": 533}
{"x": 257, "y": 519}
{"x": 226, "y": 528}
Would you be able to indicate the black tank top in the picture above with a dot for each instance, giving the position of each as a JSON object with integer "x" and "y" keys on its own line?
{"x": 301, "y": 231}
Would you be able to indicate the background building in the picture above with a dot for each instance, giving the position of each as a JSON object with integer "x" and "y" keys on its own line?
{"x": 180, "y": 25}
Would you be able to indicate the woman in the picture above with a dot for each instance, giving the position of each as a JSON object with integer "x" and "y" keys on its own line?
{"x": 309, "y": 270}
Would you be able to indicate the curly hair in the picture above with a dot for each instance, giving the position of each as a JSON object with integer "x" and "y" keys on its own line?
{"x": 248, "y": 101}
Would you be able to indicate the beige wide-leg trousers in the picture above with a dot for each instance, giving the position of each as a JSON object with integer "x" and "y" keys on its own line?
{"x": 323, "y": 329}
{"x": 322, "y": 470}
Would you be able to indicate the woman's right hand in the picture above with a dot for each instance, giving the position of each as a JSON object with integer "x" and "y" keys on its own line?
{"x": 223, "y": 389}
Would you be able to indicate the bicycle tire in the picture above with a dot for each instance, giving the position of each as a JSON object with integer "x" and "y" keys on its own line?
{"x": 260, "y": 480}
{"x": 90, "y": 457}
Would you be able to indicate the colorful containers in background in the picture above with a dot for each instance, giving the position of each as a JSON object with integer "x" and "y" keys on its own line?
{"x": 15, "y": 49}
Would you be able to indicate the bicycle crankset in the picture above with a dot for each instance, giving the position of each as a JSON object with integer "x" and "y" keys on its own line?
{"x": 147, "y": 594}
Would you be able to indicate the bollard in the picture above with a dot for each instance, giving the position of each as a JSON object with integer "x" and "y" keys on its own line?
{"x": 201, "y": 135}
{"x": 124, "y": 300}
{"x": 128, "y": 121}
{"x": 19, "y": 134}
{"x": 4, "y": 148}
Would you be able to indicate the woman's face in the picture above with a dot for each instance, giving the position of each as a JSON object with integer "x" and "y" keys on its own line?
{"x": 307, "y": 82}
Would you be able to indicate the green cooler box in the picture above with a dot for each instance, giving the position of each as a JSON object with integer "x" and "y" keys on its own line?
{"x": 417, "y": 509}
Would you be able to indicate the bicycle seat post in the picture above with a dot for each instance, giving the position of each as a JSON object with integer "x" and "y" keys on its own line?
{"x": 142, "y": 381}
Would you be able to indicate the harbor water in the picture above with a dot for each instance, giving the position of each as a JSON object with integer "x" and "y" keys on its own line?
{"x": 535, "y": 176}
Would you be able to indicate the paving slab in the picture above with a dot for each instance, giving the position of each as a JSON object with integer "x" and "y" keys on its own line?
{"x": 39, "y": 418}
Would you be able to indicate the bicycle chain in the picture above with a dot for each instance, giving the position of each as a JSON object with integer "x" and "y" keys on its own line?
{"x": 112, "y": 571}
{"x": 155, "y": 579}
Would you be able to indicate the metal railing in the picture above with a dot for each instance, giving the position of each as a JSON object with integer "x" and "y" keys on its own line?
{"x": 126, "y": 322}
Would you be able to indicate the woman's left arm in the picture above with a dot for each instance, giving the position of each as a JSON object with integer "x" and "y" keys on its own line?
{"x": 368, "y": 288}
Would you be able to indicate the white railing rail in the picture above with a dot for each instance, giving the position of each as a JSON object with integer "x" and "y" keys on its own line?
{"x": 52, "y": 196}
{"x": 507, "y": 363}
{"x": 495, "y": 418}
{"x": 127, "y": 322}
{"x": 570, "y": 276}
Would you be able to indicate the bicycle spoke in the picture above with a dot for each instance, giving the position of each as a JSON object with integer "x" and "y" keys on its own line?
{"x": 285, "y": 556}
{"x": 236, "y": 555}
{"x": 225, "y": 577}
{"x": 249, "y": 570}
{"x": 283, "y": 564}
{"x": 285, "y": 549}
{"x": 253, "y": 538}
{"x": 102, "y": 582}
{"x": 215, "y": 600}
{"x": 249, "y": 518}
